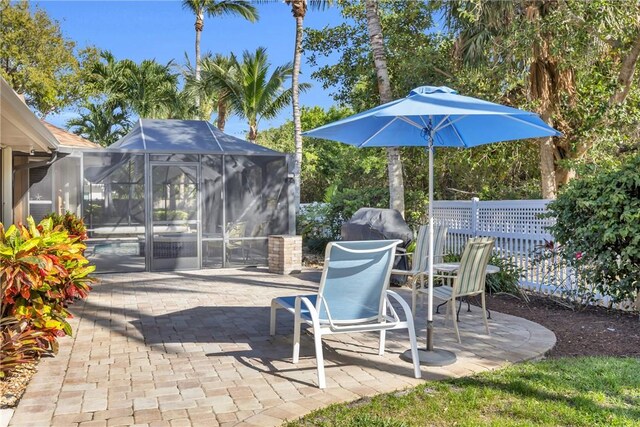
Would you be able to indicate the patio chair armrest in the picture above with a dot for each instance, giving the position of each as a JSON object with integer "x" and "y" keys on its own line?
{"x": 401, "y": 301}
{"x": 297, "y": 306}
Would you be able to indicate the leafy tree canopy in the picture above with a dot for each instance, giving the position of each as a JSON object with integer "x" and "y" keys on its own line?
{"x": 487, "y": 51}
{"x": 37, "y": 60}
{"x": 410, "y": 52}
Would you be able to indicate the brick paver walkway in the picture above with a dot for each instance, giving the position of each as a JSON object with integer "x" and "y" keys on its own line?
{"x": 193, "y": 348}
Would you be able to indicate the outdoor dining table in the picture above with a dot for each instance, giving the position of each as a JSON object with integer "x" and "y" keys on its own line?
{"x": 450, "y": 267}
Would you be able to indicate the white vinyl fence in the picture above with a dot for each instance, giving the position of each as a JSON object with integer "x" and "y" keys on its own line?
{"x": 515, "y": 224}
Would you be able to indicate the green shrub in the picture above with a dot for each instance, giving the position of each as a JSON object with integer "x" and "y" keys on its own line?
{"x": 597, "y": 230}
{"x": 313, "y": 226}
{"x": 321, "y": 223}
{"x": 506, "y": 280}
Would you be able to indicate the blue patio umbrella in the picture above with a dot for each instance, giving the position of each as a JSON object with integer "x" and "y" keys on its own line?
{"x": 434, "y": 117}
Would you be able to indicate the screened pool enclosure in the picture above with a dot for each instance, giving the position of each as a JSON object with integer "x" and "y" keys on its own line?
{"x": 181, "y": 194}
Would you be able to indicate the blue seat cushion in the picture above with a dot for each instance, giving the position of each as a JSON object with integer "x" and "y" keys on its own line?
{"x": 288, "y": 303}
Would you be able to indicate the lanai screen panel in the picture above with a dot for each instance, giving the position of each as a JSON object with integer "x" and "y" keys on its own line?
{"x": 114, "y": 210}
{"x": 212, "y": 199}
{"x": 255, "y": 206}
{"x": 212, "y": 211}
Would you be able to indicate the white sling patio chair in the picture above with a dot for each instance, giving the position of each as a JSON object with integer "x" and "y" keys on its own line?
{"x": 420, "y": 258}
{"x": 353, "y": 297}
{"x": 468, "y": 280}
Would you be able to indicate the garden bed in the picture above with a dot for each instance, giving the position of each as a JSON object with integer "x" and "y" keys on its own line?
{"x": 12, "y": 387}
{"x": 593, "y": 331}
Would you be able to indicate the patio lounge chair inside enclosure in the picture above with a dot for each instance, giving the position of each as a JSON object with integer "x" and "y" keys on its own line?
{"x": 420, "y": 258}
{"x": 353, "y": 297}
{"x": 468, "y": 280}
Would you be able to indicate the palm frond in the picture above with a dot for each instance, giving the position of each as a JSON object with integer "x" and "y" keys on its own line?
{"x": 241, "y": 8}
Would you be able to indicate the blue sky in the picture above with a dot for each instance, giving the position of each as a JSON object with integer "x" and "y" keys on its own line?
{"x": 162, "y": 30}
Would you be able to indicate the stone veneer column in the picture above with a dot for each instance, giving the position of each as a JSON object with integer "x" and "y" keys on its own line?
{"x": 285, "y": 254}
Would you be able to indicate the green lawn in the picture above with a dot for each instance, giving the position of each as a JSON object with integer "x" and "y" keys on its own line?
{"x": 576, "y": 392}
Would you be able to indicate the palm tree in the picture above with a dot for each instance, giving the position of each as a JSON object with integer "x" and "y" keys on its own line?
{"x": 150, "y": 89}
{"x": 394, "y": 162}
{"x": 103, "y": 124}
{"x": 253, "y": 94}
{"x": 210, "y": 95}
{"x": 213, "y": 8}
{"x": 106, "y": 77}
{"x": 299, "y": 10}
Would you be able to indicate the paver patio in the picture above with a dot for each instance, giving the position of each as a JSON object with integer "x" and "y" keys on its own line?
{"x": 193, "y": 348}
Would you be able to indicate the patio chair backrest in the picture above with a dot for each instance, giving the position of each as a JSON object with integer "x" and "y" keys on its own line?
{"x": 354, "y": 280}
{"x": 473, "y": 266}
{"x": 421, "y": 254}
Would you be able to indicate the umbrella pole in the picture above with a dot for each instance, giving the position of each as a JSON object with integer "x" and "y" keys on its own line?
{"x": 430, "y": 263}
{"x": 431, "y": 356}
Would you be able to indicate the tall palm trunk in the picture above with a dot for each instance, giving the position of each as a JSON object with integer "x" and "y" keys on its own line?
{"x": 295, "y": 100}
{"x": 199, "y": 26}
{"x": 253, "y": 132}
{"x": 394, "y": 162}
{"x": 221, "y": 121}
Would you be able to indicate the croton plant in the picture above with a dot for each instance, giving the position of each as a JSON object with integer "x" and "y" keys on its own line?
{"x": 42, "y": 269}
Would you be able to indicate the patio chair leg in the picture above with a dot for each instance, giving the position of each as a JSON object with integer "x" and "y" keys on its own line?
{"x": 383, "y": 334}
{"x": 317, "y": 336}
{"x": 455, "y": 319}
{"x": 296, "y": 340}
{"x": 440, "y": 305}
{"x": 484, "y": 314}
{"x": 272, "y": 323}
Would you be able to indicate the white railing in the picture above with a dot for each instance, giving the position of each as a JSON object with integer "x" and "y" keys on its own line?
{"x": 516, "y": 225}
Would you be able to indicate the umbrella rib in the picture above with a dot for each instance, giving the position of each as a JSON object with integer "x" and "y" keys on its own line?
{"x": 450, "y": 122}
{"x": 409, "y": 121}
{"x": 377, "y": 133}
{"x": 458, "y": 134}
{"x": 531, "y": 124}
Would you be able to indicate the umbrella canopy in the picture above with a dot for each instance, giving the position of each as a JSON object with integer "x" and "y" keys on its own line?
{"x": 434, "y": 117}
{"x": 454, "y": 120}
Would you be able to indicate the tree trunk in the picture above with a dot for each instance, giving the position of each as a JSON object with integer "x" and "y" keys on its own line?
{"x": 199, "y": 27}
{"x": 253, "y": 133}
{"x": 625, "y": 77}
{"x": 394, "y": 162}
{"x": 547, "y": 168}
{"x": 221, "y": 121}
{"x": 295, "y": 100}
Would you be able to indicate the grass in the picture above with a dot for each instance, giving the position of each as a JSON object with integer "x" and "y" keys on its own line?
{"x": 587, "y": 391}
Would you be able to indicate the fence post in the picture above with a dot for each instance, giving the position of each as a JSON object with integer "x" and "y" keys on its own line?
{"x": 474, "y": 216}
